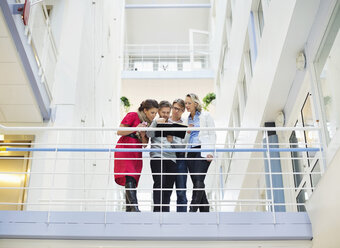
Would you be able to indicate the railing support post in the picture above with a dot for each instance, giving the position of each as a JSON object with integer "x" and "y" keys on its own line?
{"x": 270, "y": 178}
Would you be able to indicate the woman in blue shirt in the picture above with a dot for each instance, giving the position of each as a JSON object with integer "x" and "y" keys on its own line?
{"x": 199, "y": 139}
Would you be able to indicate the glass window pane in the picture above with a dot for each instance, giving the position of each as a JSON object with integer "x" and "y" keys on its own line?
{"x": 311, "y": 137}
{"x": 245, "y": 89}
{"x": 328, "y": 70}
{"x": 167, "y": 66}
{"x": 301, "y": 198}
{"x": 252, "y": 40}
{"x": 295, "y": 141}
{"x": 260, "y": 17}
{"x": 187, "y": 65}
{"x": 315, "y": 178}
{"x": 143, "y": 66}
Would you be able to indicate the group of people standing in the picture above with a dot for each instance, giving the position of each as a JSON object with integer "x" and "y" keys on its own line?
{"x": 165, "y": 165}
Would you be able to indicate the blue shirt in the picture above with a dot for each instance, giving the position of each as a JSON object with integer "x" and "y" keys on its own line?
{"x": 193, "y": 139}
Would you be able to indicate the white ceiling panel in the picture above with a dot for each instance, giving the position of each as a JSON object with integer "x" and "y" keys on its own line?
{"x": 21, "y": 113}
{"x": 8, "y": 51}
{"x": 11, "y": 73}
{"x": 15, "y": 94}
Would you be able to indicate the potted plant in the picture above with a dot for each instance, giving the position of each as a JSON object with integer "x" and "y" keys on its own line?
{"x": 208, "y": 99}
{"x": 126, "y": 103}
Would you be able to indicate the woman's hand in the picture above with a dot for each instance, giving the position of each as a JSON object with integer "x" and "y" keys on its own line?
{"x": 190, "y": 125}
{"x": 142, "y": 124}
{"x": 142, "y": 133}
{"x": 210, "y": 157}
{"x": 170, "y": 138}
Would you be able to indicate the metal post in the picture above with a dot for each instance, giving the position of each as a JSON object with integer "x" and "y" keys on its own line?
{"x": 270, "y": 177}
{"x": 161, "y": 189}
{"x": 52, "y": 181}
{"x": 218, "y": 205}
{"x": 108, "y": 184}
{"x": 84, "y": 176}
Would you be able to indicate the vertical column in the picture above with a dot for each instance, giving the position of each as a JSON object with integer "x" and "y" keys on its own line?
{"x": 275, "y": 177}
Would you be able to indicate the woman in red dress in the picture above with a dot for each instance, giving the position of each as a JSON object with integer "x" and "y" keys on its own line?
{"x": 131, "y": 139}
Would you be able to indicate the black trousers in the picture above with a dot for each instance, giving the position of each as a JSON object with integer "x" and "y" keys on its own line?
{"x": 162, "y": 185}
{"x": 198, "y": 166}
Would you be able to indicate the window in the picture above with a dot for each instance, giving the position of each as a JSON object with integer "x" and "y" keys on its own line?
{"x": 223, "y": 59}
{"x": 47, "y": 9}
{"x": 245, "y": 90}
{"x": 304, "y": 163}
{"x": 251, "y": 44}
{"x": 167, "y": 66}
{"x": 260, "y": 17}
{"x": 187, "y": 65}
{"x": 311, "y": 137}
{"x": 229, "y": 20}
{"x": 328, "y": 73}
{"x": 143, "y": 66}
{"x": 252, "y": 40}
{"x": 242, "y": 92}
{"x": 316, "y": 174}
{"x": 296, "y": 141}
{"x": 236, "y": 117}
{"x": 248, "y": 70}
{"x": 301, "y": 198}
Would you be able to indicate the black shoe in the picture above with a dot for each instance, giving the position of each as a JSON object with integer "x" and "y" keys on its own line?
{"x": 131, "y": 197}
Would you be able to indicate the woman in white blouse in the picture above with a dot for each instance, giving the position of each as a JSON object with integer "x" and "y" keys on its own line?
{"x": 200, "y": 140}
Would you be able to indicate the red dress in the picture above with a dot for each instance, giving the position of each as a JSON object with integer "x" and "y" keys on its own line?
{"x": 128, "y": 166}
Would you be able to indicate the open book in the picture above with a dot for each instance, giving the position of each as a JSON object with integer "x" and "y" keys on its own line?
{"x": 176, "y": 133}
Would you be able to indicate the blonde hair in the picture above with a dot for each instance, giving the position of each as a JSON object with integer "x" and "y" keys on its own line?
{"x": 195, "y": 99}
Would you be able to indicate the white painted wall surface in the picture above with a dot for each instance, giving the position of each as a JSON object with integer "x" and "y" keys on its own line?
{"x": 323, "y": 208}
{"x": 285, "y": 32}
{"x": 87, "y": 90}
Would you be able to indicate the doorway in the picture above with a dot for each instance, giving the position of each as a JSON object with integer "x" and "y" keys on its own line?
{"x": 14, "y": 172}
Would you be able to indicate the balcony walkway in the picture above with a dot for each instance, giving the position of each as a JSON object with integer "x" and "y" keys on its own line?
{"x": 227, "y": 226}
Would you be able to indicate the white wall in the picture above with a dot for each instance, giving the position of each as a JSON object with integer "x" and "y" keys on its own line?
{"x": 323, "y": 208}
{"x": 137, "y": 90}
{"x": 286, "y": 29}
{"x": 87, "y": 90}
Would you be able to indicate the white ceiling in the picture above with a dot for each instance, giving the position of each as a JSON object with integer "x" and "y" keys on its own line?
{"x": 17, "y": 102}
{"x": 164, "y": 25}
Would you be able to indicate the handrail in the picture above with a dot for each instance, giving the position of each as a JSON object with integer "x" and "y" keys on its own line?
{"x": 158, "y": 129}
{"x": 59, "y": 160}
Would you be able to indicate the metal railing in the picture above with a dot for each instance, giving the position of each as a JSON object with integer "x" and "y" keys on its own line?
{"x": 72, "y": 170}
{"x": 40, "y": 37}
{"x": 166, "y": 57}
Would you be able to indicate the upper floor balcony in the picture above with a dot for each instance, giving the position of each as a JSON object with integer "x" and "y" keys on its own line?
{"x": 62, "y": 187}
{"x": 167, "y": 61}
